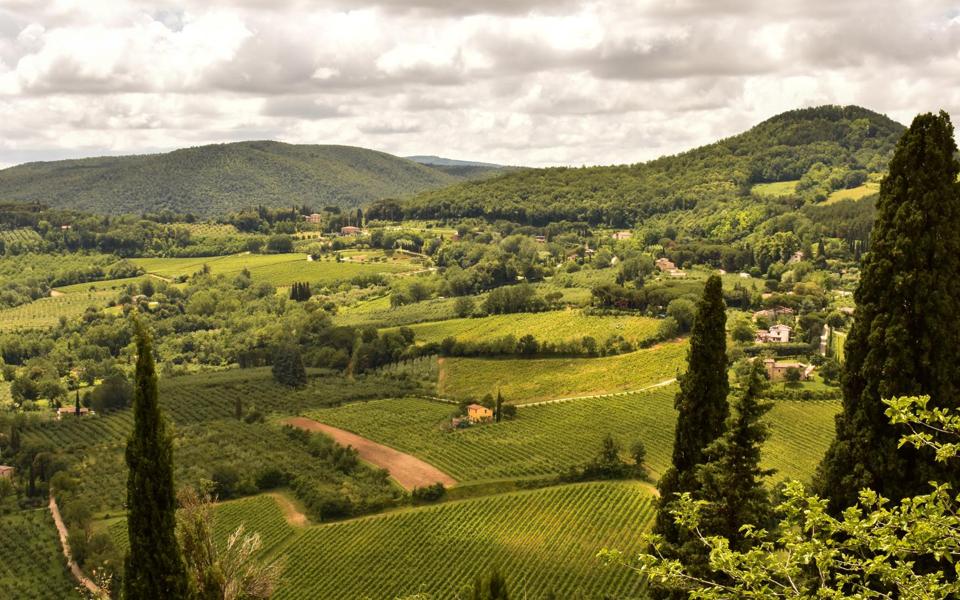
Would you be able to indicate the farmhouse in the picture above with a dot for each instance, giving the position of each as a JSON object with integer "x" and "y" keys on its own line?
{"x": 623, "y": 235}
{"x": 6, "y": 472}
{"x": 777, "y": 371}
{"x": 314, "y": 218}
{"x": 71, "y": 411}
{"x": 479, "y": 414}
{"x": 540, "y": 239}
{"x": 350, "y": 230}
{"x": 779, "y": 334}
{"x": 665, "y": 264}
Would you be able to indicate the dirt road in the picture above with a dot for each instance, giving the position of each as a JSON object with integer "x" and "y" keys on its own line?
{"x": 408, "y": 471}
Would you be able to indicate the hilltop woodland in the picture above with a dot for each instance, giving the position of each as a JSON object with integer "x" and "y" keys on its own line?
{"x": 393, "y": 317}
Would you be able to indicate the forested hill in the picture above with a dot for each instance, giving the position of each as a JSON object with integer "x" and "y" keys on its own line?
{"x": 825, "y": 148}
{"x": 219, "y": 179}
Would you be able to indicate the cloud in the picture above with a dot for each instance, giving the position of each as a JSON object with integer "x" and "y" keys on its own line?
{"x": 507, "y": 81}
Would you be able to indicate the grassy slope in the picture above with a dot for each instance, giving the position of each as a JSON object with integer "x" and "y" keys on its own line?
{"x": 554, "y": 326}
{"x": 276, "y": 269}
{"x": 532, "y": 380}
{"x": 544, "y": 539}
{"x": 547, "y": 439}
{"x": 217, "y": 179}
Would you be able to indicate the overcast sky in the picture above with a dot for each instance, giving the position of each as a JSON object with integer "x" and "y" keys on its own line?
{"x": 510, "y": 81}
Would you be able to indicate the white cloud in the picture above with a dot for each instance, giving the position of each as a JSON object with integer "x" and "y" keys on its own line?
{"x": 518, "y": 81}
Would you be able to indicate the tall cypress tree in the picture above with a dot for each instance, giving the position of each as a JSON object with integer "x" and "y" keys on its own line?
{"x": 904, "y": 340}
{"x": 731, "y": 480}
{"x": 701, "y": 404}
{"x": 154, "y": 567}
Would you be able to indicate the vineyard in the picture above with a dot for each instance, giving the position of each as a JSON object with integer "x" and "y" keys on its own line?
{"x": 544, "y": 540}
{"x": 276, "y": 269}
{"x": 207, "y": 436}
{"x": 32, "y": 566}
{"x": 24, "y": 238}
{"x": 97, "y": 286}
{"x": 257, "y": 514}
{"x": 531, "y": 380}
{"x": 554, "y": 326}
{"x": 46, "y": 312}
{"x": 547, "y": 439}
{"x": 211, "y": 230}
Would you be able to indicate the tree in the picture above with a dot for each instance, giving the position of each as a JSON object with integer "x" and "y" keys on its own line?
{"x": 792, "y": 375}
{"x": 498, "y": 408}
{"x": 742, "y": 331}
{"x": 288, "y": 366}
{"x": 464, "y": 306}
{"x": 869, "y": 553}
{"x": 701, "y": 404}
{"x": 639, "y": 453}
{"x": 731, "y": 481}
{"x": 154, "y": 566}
{"x": 901, "y": 342}
{"x": 493, "y": 587}
{"x": 683, "y": 311}
{"x": 217, "y": 574}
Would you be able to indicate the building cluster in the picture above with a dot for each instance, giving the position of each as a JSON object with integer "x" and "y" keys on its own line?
{"x": 776, "y": 334}
{"x": 665, "y": 265}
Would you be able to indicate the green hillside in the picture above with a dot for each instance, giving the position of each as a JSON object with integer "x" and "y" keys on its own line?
{"x": 823, "y": 149}
{"x": 217, "y": 179}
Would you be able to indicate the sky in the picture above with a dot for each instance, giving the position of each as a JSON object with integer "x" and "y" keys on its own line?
{"x": 519, "y": 82}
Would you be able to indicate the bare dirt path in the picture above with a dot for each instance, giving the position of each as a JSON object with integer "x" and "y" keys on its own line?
{"x": 408, "y": 471}
{"x": 663, "y": 383}
{"x": 74, "y": 567}
{"x": 290, "y": 512}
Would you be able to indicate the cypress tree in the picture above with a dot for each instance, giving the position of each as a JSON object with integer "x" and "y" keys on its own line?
{"x": 904, "y": 340}
{"x": 731, "y": 480}
{"x": 702, "y": 410}
{"x": 499, "y": 407}
{"x": 154, "y": 567}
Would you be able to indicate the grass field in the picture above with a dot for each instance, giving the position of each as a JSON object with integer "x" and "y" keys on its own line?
{"x": 31, "y": 563}
{"x": 531, "y": 380}
{"x": 776, "y": 189}
{"x": 547, "y": 439}
{"x": 553, "y": 326}
{"x": 541, "y": 540}
{"x": 276, "y": 269}
{"x": 46, "y": 312}
{"x": 857, "y": 193}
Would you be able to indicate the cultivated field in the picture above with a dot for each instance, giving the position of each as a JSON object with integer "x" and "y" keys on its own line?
{"x": 276, "y": 269}
{"x": 858, "y": 193}
{"x": 46, "y": 312}
{"x": 25, "y": 238}
{"x": 553, "y": 326}
{"x": 32, "y": 566}
{"x": 543, "y": 540}
{"x": 549, "y": 438}
{"x": 257, "y": 514}
{"x": 775, "y": 189}
{"x": 531, "y": 380}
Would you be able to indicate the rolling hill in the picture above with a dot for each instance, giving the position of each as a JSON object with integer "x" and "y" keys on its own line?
{"x": 820, "y": 149}
{"x": 217, "y": 179}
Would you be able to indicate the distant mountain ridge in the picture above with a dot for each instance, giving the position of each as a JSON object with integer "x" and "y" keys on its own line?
{"x": 432, "y": 160}
{"x": 216, "y": 179}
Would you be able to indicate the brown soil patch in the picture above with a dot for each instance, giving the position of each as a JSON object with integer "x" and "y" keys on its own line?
{"x": 408, "y": 471}
{"x": 290, "y": 512}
